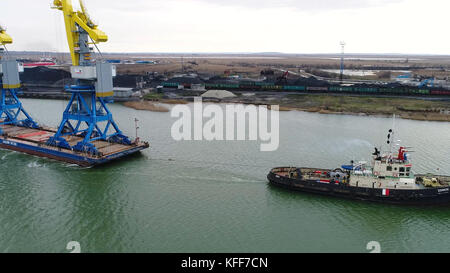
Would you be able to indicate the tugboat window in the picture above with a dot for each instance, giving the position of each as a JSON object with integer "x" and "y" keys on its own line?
{"x": 389, "y": 168}
{"x": 402, "y": 170}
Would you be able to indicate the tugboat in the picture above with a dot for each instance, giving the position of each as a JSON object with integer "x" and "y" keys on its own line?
{"x": 388, "y": 179}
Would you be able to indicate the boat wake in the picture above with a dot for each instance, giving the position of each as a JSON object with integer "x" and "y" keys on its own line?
{"x": 6, "y": 155}
{"x": 34, "y": 164}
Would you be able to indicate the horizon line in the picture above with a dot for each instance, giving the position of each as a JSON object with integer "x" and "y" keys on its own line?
{"x": 241, "y": 53}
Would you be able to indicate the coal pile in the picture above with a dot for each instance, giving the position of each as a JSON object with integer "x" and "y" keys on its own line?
{"x": 50, "y": 76}
{"x": 43, "y": 75}
{"x": 388, "y": 85}
{"x": 128, "y": 80}
{"x": 311, "y": 81}
{"x": 186, "y": 80}
{"x": 395, "y": 85}
{"x": 222, "y": 80}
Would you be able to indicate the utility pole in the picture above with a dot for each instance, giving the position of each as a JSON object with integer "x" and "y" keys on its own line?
{"x": 182, "y": 64}
{"x": 343, "y": 44}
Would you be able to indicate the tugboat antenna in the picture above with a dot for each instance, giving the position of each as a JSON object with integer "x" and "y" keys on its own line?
{"x": 392, "y": 140}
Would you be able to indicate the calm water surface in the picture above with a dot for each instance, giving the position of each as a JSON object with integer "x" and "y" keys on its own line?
{"x": 214, "y": 196}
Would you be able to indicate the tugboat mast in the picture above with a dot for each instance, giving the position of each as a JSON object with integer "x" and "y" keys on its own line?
{"x": 391, "y": 137}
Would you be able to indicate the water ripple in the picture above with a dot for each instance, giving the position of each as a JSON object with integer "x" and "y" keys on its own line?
{"x": 214, "y": 196}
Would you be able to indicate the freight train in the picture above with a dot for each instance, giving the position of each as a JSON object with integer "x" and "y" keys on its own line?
{"x": 264, "y": 86}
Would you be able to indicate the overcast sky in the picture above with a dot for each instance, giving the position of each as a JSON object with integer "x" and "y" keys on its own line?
{"x": 289, "y": 26}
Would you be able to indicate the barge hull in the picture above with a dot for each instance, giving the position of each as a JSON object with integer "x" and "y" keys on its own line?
{"x": 433, "y": 196}
{"x": 32, "y": 142}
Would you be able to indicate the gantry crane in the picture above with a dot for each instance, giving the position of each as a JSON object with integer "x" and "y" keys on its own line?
{"x": 87, "y": 114}
{"x": 11, "y": 109}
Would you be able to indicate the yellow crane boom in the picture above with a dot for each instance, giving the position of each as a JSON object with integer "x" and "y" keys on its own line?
{"x": 4, "y": 37}
{"x": 75, "y": 20}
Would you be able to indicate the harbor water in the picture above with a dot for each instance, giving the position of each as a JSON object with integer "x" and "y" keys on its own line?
{"x": 200, "y": 196}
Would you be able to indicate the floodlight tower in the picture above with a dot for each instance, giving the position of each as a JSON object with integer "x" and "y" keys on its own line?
{"x": 11, "y": 109}
{"x": 87, "y": 115}
{"x": 343, "y": 44}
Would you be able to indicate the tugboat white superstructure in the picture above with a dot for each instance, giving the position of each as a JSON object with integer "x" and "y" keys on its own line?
{"x": 386, "y": 172}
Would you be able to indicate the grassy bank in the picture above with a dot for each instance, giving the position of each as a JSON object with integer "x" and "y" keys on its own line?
{"x": 407, "y": 108}
{"x": 157, "y": 97}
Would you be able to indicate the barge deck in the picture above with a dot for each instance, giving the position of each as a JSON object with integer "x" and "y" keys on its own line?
{"x": 33, "y": 141}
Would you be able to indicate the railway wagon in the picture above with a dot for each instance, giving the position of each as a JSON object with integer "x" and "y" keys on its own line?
{"x": 270, "y": 86}
{"x": 294, "y": 88}
{"x": 440, "y": 93}
{"x": 317, "y": 89}
{"x": 366, "y": 90}
{"x": 221, "y": 85}
{"x": 340, "y": 89}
